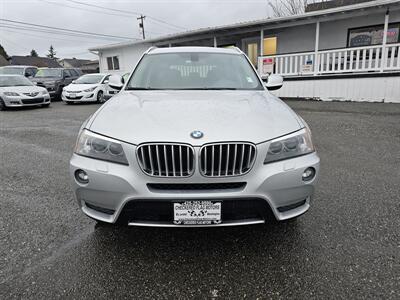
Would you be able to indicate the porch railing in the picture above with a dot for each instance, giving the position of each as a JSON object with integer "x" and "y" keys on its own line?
{"x": 346, "y": 60}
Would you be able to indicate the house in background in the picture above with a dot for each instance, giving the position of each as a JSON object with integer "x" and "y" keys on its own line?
{"x": 40, "y": 62}
{"x": 341, "y": 53}
{"x": 91, "y": 67}
{"x": 72, "y": 62}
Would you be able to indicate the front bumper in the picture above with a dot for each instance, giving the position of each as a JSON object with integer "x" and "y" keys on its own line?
{"x": 79, "y": 97}
{"x": 112, "y": 188}
{"x": 19, "y": 101}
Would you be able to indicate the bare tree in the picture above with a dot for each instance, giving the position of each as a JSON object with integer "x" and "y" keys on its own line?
{"x": 282, "y": 8}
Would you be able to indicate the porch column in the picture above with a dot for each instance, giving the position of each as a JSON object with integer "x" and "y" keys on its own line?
{"x": 384, "y": 42}
{"x": 316, "y": 56}
{"x": 215, "y": 42}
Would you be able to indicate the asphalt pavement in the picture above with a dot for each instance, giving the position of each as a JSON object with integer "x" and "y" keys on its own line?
{"x": 346, "y": 247}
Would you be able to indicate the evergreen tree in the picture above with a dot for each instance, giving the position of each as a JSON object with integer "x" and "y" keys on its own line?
{"x": 34, "y": 53}
{"x": 52, "y": 53}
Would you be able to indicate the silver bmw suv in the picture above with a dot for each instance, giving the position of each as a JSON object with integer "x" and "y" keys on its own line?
{"x": 194, "y": 139}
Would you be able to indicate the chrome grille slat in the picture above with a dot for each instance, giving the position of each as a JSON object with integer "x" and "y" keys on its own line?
{"x": 220, "y": 160}
{"x": 180, "y": 160}
{"x": 158, "y": 160}
{"x": 212, "y": 160}
{"x": 226, "y": 159}
{"x": 242, "y": 157}
{"x": 151, "y": 160}
{"x": 234, "y": 161}
{"x": 173, "y": 159}
{"x": 166, "y": 160}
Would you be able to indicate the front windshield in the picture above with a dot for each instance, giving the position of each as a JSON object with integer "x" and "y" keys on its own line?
{"x": 11, "y": 70}
{"x": 194, "y": 71}
{"x": 48, "y": 73}
{"x": 14, "y": 81}
{"x": 89, "y": 79}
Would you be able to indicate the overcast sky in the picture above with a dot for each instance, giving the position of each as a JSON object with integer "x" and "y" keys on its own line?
{"x": 189, "y": 14}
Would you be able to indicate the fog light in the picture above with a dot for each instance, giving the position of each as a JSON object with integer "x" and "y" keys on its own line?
{"x": 81, "y": 176}
{"x": 308, "y": 174}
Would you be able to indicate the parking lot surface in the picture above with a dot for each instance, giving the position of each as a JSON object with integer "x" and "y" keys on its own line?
{"x": 346, "y": 247}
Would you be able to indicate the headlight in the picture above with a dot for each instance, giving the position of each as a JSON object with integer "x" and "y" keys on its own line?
{"x": 91, "y": 89}
{"x": 11, "y": 94}
{"x": 99, "y": 147}
{"x": 292, "y": 145}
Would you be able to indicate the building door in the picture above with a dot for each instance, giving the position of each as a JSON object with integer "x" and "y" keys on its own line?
{"x": 251, "y": 48}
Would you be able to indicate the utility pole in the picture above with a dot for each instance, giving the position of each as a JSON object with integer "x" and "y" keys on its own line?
{"x": 141, "y": 24}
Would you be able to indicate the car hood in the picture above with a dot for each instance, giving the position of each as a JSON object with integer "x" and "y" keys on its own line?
{"x": 79, "y": 87}
{"x": 170, "y": 116}
{"x": 22, "y": 89}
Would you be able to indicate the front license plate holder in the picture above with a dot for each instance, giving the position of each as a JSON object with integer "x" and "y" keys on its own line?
{"x": 197, "y": 212}
{"x": 72, "y": 95}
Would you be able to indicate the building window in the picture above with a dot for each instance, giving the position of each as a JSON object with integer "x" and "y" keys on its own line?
{"x": 270, "y": 45}
{"x": 373, "y": 35}
{"x": 113, "y": 63}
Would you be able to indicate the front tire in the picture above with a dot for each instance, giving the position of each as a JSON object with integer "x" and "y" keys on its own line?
{"x": 100, "y": 97}
{"x": 2, "y": 105}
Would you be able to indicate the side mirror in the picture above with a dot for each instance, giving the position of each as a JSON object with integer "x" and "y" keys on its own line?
{"x": 116, "y": 82}
{"x": 105, "y": 81}
{"x": 274, "y": 82}
{"x": 73, "y": 81}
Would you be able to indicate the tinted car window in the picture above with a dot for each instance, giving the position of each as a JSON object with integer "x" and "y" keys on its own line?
{"x": 67, "y": 73}
{"x": 74, "y": 72}
{"x": 29, "y": 72}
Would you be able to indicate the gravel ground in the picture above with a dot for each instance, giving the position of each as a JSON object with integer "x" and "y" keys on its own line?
{"x": 346, "y": 247}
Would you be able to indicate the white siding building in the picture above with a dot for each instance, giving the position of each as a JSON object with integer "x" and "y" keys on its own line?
{"x": 346, "y": 53}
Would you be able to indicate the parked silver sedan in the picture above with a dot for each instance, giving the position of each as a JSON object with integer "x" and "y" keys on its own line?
{"x": 194, "y": 138}
{"x": 17, "y": 91}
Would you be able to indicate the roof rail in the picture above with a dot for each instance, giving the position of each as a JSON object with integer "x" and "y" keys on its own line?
{"x": 150, "y": 49}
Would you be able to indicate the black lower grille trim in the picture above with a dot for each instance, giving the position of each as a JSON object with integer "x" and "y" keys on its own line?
{"x": 32, "y": 101}
{"x": 100, "y": 209}
{"x": 73, "y": 98}
{"x": 291, "y": 206}
{"x": 161, "y": 211}
{"x": 196, "y": 186}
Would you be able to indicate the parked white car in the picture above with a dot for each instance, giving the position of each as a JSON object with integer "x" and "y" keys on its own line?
{"x": 87, "y": 88}
{"x": 110, "y": 91}
{"x": 17, "y": 91}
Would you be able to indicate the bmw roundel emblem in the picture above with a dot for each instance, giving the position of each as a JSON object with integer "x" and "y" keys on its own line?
{"x": 196, "y": 134}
